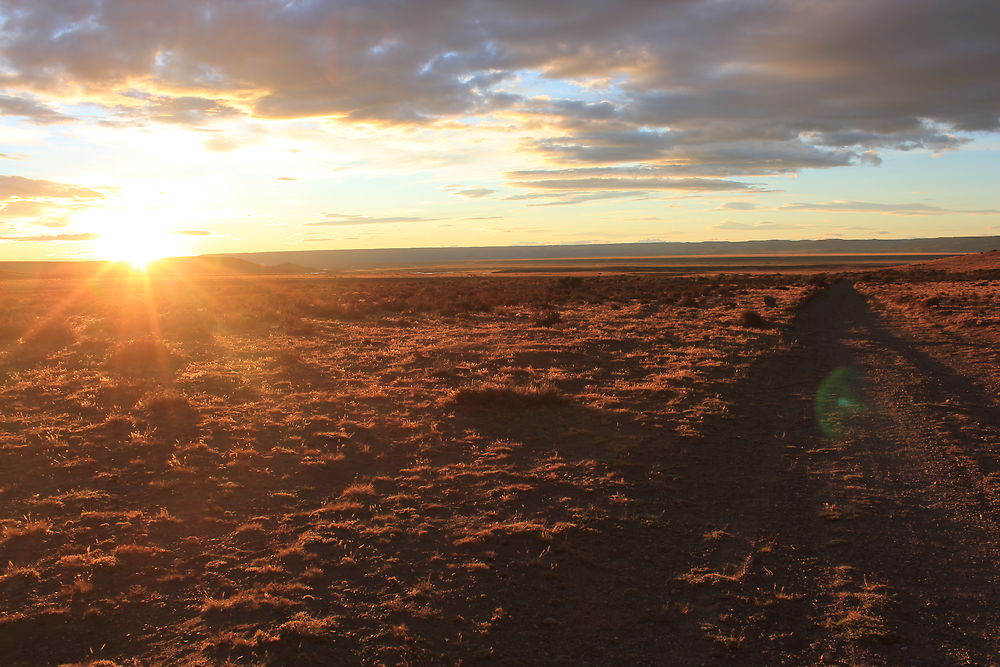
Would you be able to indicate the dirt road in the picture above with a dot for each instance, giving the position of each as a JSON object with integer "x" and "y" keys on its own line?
{"x": 843, "y": 512}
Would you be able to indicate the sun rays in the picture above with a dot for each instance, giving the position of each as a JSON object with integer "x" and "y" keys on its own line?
{"x": 136, "y": 245}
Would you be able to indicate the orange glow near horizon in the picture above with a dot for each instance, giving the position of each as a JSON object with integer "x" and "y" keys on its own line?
{"x": 136, "y": 246}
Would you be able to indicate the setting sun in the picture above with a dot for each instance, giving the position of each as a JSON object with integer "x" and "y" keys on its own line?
{"x": 124, "y": 240}
{"x": 136, "y": 246}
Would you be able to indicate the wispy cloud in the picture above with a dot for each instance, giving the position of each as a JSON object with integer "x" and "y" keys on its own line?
{"x": 347, "y": 220}
{"x": 42, "y": 203}
{"x": 85, "y": 236}
{"x": 19, "y": 187}
{"x": 758, "y": 226}
{"x": 843, "y": 206}
{"x": 468, "y": 192}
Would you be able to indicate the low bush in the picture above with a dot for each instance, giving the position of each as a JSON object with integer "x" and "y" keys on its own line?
{"x": 500, "y": 394}
{"x": 751, "y": 319}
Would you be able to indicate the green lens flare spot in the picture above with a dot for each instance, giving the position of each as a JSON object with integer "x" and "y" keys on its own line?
{"x": 839, "y": 401}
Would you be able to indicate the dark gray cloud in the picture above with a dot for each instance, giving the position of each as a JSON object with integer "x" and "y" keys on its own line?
{"x": 722, "y": 86}
{"x": 842, "y": 206}
{"x": 878, "y": 66}
{"x": 347, "y": 220}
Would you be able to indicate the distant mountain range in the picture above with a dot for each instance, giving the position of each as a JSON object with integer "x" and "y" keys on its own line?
{"x": 395, "y": 258}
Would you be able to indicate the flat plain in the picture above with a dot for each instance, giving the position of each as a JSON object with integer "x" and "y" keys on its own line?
{"x": 765, "y": 468}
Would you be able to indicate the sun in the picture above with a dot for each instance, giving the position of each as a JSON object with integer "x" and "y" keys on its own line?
{"x": 135, "y": 245}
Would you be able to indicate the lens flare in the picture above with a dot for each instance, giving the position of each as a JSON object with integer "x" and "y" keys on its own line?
{"x": 840, "y": 401}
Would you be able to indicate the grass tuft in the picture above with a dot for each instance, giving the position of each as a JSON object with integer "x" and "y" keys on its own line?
{"x": 500, "y": 394}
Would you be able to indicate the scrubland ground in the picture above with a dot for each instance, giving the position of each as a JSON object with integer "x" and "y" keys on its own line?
{"x": 606, "y": 470}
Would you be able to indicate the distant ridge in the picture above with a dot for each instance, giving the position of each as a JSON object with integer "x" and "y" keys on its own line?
{"x": 226, "y": 265}
{"x": 392, "y": 258}
{"x": 984, "y": 261}
{"x": 204, "y": 265}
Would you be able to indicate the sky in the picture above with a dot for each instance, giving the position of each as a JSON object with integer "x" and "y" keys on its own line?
{"x": 168, "y": 127}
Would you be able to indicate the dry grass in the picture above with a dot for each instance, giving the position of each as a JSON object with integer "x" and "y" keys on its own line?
{"x": 236, "y": 470}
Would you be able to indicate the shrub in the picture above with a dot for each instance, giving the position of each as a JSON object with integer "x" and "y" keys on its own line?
{"x": 751, "y": 319}
{"x": 548, "y": 318}
{"x": 169, "y": 407}
{"x": 931, "y": 302}
{"x": 359, "y": 490}
{"x": 497, "y": 394}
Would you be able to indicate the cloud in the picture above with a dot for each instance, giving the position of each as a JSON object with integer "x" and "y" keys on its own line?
{"x": 474, "y": 193}
{"x": 345, "y": 220}
{"x": 42, "y": 203}
{"x": 737, "y": 206}
{"x": 468, "y": 193}
{"x": 192, "y": 232}
{"x": 187, "y": 110}
{"x": 757, "y": 226}
{"x": 19, "y": 187}
{"x": 609, "y": 146}
{"x": 842, "y": 206}
{"x": 45, "y": 238}
{"x": 785, "y": 87}
{"x": 822, "y": 67}
{"x": 24, "y": 208}
{"x": 686, "y": 184}
{"x": 566, "y": 198}
{"x": 30, "y": 109}
{"x": 687, "y": 165}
